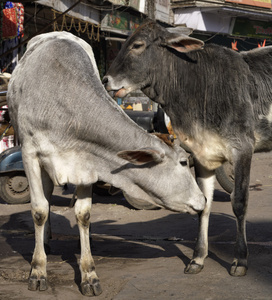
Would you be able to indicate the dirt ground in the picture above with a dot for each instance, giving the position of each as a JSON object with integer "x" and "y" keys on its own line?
{"x": 142, "y": 254}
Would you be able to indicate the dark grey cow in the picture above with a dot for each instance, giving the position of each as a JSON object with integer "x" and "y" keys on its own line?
{"x": 72, "y": 131}
{"x": 219, "y": 102}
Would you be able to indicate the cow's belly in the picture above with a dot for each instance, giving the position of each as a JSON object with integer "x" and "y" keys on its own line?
{"x": 263, "y": 143}
{"x": 208, "y": 148}
{"x": 263, "y": 132}
{"x": 63, "y": 164}
{"x": 69, "y": 167}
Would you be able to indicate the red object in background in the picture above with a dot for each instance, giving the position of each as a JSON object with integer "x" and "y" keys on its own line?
{"x": 20, "y": 18}
{"x": 9, "y": 29}
{"x": 234, "y": 46}
{"x": 261, "y": 45}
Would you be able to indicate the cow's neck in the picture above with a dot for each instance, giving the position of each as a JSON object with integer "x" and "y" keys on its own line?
{"x": 171, "y": 102}
{"x": 184, "y": 103}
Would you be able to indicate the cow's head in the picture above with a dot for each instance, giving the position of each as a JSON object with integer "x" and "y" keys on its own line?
{"x": 135, "y": 64}
{"x": 174, "y": 188}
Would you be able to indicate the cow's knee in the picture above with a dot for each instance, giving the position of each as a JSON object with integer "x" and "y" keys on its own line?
{"x": 84, "y": 218}
{"x": 239, "y": 208}
{"x": 39, "y": 217}
{"x": 83, "y": 206}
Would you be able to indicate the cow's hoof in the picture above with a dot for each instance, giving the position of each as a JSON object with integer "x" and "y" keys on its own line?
{"x": 193, "y": 268}
{"x": 238, "y": 270}
{"x": 91, "y": 289}
{"x": 34, "y": 283}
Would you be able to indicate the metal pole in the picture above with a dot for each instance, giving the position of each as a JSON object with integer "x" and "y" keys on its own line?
{"x": 150, "y": 7}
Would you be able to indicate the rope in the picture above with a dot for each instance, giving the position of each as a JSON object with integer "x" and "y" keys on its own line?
{"x": 79, "y": 25}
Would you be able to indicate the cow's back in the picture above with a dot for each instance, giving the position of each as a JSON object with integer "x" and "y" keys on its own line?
{"x": 260, "y": 64}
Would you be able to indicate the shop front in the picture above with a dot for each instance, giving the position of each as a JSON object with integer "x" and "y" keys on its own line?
{"x": 232, "y": 27}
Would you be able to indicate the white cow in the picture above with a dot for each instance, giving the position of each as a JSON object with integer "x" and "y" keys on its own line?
{"x": 72, "y": 131}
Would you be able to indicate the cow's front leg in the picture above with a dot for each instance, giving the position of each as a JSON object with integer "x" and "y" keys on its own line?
{"x": 205, "y": 180}
{"x": 90, "y": 285}
{"x": 239, "y": 201}
{"x": 41, "y": 188}
{"x": 38, "y": 276}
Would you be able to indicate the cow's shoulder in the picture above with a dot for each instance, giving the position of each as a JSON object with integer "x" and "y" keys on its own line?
{"x": 60, "y": 56}
{"x": 220, "y": 54}
{"x": 66, "y": 37}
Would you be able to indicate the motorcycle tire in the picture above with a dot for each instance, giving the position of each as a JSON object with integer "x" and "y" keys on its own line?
{"x": 102, "y": 188}
{"x": 225, "y": 177}
{"x": 14, "y": 188}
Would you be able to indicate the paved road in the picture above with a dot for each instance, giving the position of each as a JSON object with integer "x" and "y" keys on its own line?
{"x": 142, "y": 254}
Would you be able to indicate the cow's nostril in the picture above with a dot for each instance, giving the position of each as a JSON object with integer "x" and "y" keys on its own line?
{"x": 105, "y": 80}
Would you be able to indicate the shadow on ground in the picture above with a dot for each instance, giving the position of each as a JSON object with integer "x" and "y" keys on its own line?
{"x": 162, "y": 237}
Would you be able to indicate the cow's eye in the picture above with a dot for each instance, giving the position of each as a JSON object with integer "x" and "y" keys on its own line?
{"x": 183, "y": 163}
{"x": 138, "y": 47}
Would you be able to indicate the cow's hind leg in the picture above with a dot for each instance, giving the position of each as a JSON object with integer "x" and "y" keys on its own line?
{"x": 205, "y": 180}
{"x": 90, "y": 285}
{"x": 239, "y": 201}
{"x": 41, "y": 187}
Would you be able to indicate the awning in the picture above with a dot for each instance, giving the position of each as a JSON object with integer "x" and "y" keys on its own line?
{"x": 198, "y": 19}
{"x": 83, "y": 11}
{"x": 215, "y": 19}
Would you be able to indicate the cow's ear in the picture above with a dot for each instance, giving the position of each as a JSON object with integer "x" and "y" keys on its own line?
{"x": 142, "y": 156}
{"x": 179, "y": 40}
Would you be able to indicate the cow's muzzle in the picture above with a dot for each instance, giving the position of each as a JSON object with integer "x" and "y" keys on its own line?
{"x": 118, "y": 92}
